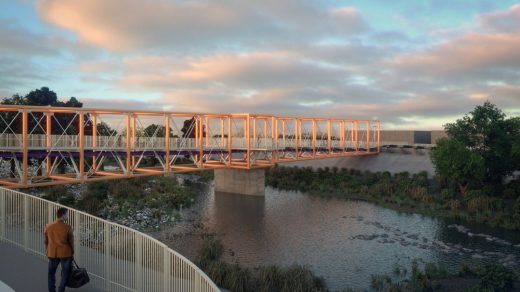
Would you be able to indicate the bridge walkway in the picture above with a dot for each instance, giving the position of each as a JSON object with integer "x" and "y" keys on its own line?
{"x": 24, "y": 271}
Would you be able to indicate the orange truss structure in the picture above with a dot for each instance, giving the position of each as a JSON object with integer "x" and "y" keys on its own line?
{"x": 42, "y": 146}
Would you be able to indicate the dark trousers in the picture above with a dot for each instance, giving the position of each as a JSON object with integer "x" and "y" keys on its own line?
{"x": 66, "y": 264}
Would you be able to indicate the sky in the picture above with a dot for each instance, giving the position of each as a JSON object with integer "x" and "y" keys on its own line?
{"x": 412, "y": 64}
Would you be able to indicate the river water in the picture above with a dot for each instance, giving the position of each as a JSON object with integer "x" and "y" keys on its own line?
{"x": 345, "y": 242}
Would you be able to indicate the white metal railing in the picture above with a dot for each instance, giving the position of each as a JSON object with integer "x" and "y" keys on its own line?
{"x": 117, "y": 258}
{"x": 65, "y": 142}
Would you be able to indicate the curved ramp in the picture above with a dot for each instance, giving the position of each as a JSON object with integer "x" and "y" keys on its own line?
{"x": 21, "y": 271}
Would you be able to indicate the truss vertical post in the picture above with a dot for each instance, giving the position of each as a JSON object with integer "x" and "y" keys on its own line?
{"x": 128, "y": 142}
{"x": 274, "y": 138}
{"x": 247, "y": 134}
{"x": 167, "y": 143}
{"x": 296, "y": 144}
{"x": 329, "y": 136}
{"x": 134, "y": 138}
{"x": 25, "y": 159}
{"x": 81, "y": 128}
{"x": 314, "y": 138}
{"x": 368, "y": 136}
{"x": 197, "y": 136}
{"x": 230, "y": 142}
{"x": 200, "y": 137}
{"x": 48, "y": 143}
{"x": 94, "y": 141}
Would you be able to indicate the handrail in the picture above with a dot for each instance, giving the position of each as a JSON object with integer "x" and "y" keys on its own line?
{"x": 117, "y": 258}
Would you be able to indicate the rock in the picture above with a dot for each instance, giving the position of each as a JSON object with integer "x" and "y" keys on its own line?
{"x": 413, "y": 236}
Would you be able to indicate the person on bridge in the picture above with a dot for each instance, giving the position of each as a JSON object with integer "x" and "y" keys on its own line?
{"x": 59, "y": 248}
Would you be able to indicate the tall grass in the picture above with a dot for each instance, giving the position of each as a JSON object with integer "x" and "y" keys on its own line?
{"x": 265, "y": 278}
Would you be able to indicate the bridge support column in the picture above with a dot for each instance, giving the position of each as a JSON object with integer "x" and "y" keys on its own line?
{"x": 240, "y": 181}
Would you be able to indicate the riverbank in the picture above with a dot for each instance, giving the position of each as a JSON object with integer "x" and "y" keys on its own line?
{"x": 436, "y": 277}
{"x": 403, "y": 192}
{"x": 146, "y": 203}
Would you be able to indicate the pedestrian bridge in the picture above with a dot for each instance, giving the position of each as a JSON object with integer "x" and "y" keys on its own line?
{"x": 42, "y": 146}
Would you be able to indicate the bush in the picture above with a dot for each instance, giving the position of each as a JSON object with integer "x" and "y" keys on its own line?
{"x": 448, "y": 194}
{"x": 480, "y": 204}
{"x": 435, "y": 271}
{"x": 497, "y": 277}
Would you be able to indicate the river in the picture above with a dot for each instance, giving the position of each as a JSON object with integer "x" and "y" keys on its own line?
{"x": 345, "y": 242}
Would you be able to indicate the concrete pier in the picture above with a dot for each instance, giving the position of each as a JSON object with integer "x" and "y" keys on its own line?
{"x": 240, "y": 181}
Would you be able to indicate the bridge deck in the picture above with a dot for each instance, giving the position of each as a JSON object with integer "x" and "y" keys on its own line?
{"x": 26, "y": 272}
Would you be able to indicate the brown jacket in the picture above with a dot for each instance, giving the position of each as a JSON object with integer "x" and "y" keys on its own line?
{"x": 59, "y": 241}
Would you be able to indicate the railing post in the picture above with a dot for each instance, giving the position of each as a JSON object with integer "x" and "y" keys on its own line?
{"x": 26, "y": 223}
{"x": 77, "y": 232}
{"x": 107, "y": 255}
{"x": 50, "y": 213}
{"x": 138, "y": 262}
{"x": 2, "y": 214}
{"x": 166, "y": 270}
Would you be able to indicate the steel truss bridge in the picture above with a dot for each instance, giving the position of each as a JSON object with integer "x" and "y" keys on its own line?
{"x": 42, "y": 146}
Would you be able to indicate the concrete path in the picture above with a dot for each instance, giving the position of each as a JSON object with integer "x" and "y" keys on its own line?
{"x": 25, "y": 271}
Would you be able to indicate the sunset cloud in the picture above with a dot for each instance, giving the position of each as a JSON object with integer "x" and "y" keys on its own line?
{"x": 412, "y": 66}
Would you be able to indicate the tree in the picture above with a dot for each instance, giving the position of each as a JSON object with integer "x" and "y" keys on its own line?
{"x": 188, "y": 128}
{"x": 103, "y": 129}
{"x": 157, "y": 130}
{"x": 486, "y": 131}
{"x": 458, "y": 164}
{"x": 42, "y": 97}
{"x": 11, "y": 121}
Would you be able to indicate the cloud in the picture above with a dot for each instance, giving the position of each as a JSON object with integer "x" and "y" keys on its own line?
{"x": 494, "y": 48}
{"x": 196, "y": 24}
{"x": 17, "y": 41}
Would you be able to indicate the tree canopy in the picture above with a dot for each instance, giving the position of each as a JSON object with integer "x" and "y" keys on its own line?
{"x": 483, "y": 145}
{"x": 41, "y": 97}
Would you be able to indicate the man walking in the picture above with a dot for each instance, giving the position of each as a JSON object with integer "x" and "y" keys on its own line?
{"x": 59, "y": 247}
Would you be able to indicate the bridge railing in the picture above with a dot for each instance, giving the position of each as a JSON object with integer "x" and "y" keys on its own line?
{"x": 117, "y": 258}
{"x": 62, "y": 142}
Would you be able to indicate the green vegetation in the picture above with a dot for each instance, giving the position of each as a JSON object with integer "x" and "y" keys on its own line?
{"x": 472, "y": 165}
{"x": 491, "y": 140}
{"x": 402, "y": 191}
{"x": 269, "y": 278}
{"x": 436, "y": 277}
{"x": 137, "y": 202}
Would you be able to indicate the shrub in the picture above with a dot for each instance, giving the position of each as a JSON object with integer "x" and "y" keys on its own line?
{"x": 497, "y": 277}
{"x": 380, "y": 282}
{"x": 480, "y": 204}
{"x": 454, "y": 204}
{"x": 448, "y": 194}
{"x": 435, "y": 271}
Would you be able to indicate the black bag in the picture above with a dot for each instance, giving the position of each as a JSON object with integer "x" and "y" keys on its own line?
{"x": 78, "y": 276}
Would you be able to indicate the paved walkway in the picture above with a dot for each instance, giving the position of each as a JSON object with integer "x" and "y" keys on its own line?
{"x": 25, "y": 271}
